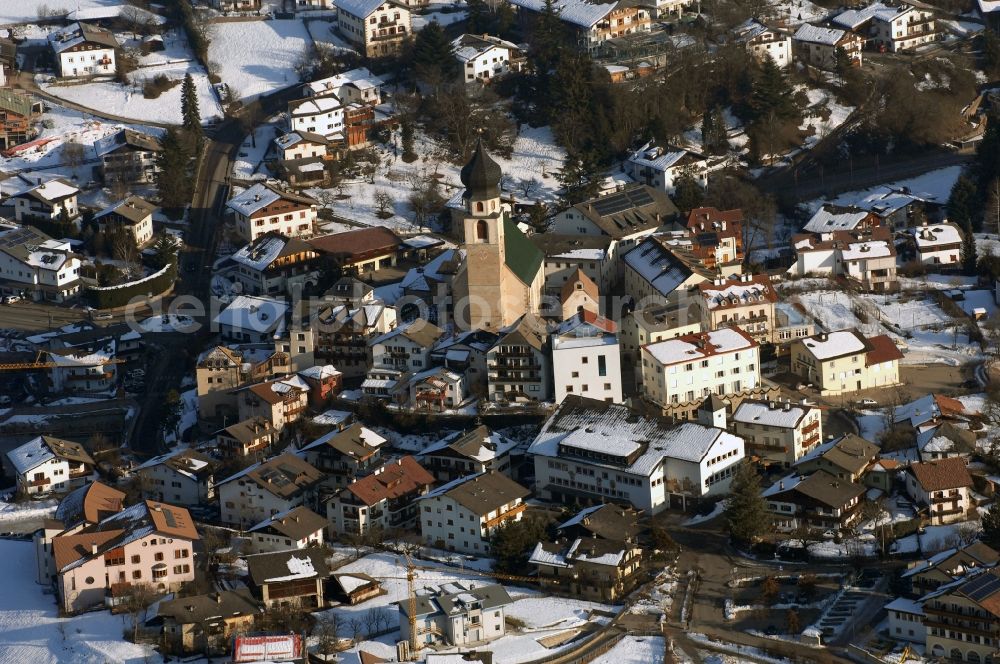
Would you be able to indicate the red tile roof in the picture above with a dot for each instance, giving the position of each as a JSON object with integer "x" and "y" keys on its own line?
{"x": 362, "y": 243}
{"x": 396, "y": 480}
{"x": 883, "y": 350}
{"x": 942, "y": 474}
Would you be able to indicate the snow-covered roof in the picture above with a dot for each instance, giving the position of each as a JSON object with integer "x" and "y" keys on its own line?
{"x": 320, "y": 372}
{"x": 578, "y": 12}
{"x": 659, "y": 159}
{"x": 51, "y": 190}
{"x": 81, "y": 33}
{"x": 658, "y": 266}
{"x": 616, "y": 430}
{"x": 359, "y": 77}
{"x": 829, "y": 218}
{"x": 906, "y": 605}
{"x": 259, "y": 255}
{"x": 314, "y": 105}
{"x": 469, "y": 47}
{"x": 853, "y": 18}
{"x": 249, "y": 312}
{"x": 936, "y": 235}
{"x": 835, "y": 344}
{"x": 819, "y": 35}
{"x": 30, "y": 455}
{"x": 692, "y": 347}
{"x": 361, "y": 8}
{"x": 770, "y": 413}
{"x": 786, "y": 483}
{"x": 867, "y": 249}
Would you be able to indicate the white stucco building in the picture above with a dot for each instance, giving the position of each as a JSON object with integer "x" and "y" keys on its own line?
{"x": 593, "y": 451}
{"x": 586, "y": 358}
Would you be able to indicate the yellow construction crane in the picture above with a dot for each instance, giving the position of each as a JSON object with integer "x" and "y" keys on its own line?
{"x": 41, "y": 363}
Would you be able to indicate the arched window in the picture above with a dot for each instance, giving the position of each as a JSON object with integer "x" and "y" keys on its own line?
{"x": 482, "y": 230}
{"x": 973, "y": 657}
{"x": 479, "y": 206}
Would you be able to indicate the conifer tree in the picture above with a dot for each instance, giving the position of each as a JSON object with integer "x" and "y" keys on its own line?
{"x": 173, "y": 178}
{"x": 746, "y": 511}
{"x": 991, "y": 526}
{"x": 962, "y": 203}
{"x": 970, "y": 256}
{"x": 190, "y": 113}
{"x": 773, "y": 94}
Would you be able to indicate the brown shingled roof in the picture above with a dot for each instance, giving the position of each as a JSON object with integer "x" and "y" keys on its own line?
{"x": 883, "y": 350}
{"x": 579, "y": 281}
{"x": 942, "y": 474}
{"x": 396, "y": 480}
{"x": 358, "y": 243}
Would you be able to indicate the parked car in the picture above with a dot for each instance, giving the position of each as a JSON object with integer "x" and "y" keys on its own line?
{"x": 102, "y": 315}
{"x": 868, "y": 403}
{"x": 11, "y": 299}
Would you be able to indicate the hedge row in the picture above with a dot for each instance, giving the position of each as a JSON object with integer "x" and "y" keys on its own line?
{"x": 111, "y": 297}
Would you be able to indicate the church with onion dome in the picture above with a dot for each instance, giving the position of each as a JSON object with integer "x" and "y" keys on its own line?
{"x": 502, "y": 277}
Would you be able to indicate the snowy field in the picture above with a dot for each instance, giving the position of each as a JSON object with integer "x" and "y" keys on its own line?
{"x": 31, "y": 631}
{"x": 257, "y": 57}
{"x": 634, "y": 650}
{"x": 28, "y": 510}
{"x": 67, "y": 125}
{"x": 826, "y": 115}
{"x": 543, "y": 616}
{"x": 24, "y": 11}
{"x": 322, "y": 33}
{"x": 533, "y": 167}
{"x": 127, "y": 101}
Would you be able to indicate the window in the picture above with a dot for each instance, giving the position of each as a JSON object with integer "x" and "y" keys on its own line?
{"x": 602, "y": 365}
{"x": 135, "y": 560}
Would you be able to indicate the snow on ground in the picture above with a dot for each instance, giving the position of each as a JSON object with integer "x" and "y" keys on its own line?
{"x": 443, "y": 18}
{"x": 826, "y": 114}
{"x": 248, "y": 163}
{"x": 63, "y": 125}
{"x": 531, "y": 174}
{"x": 322, "y": 32}
{"x": 634, "y": 650}
{"x": 128, "y": 101}
{"x": 797, "y": 11}
{"x": 32, "y": 632}
{"x": 871, "y": 424}
{"x": 28, "y": 510}
{"x": 539, "y": 612}
{"x": 167, "y": 323}
{"x": 933, "y": 185}
{"x": 835, "y": 310}
{"x": 544, "y": 616}
{"x": 25, "y": 11}
{"x": 717, "y": 510}
{"x": 257, "y": 57}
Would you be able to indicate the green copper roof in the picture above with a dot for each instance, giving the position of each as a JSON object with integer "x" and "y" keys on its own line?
{"x": 523, "y": 257}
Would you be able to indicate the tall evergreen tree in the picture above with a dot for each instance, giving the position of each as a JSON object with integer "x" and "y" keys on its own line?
{"x": 746, "y": 511}
{"x": 991, "y": 526}
{"x": 970, "y": 258}
{"x": 432, "y": 57}
{"x": 190, "y": 113}
{"x": 713, "y": 131}
{"x": 962, "y": 203}
{"x": 688, "y": 194}
{"x": 173, "y": 177}
{"x": 773, "y": 93}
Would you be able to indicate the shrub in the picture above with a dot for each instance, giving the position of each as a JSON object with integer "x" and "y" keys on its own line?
{"x": 157, "y": 85}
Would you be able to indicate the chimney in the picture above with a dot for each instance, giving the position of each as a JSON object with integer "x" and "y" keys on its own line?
{"x": 781, "y": 484}
{"x": 218, "y": 598}
{"x": 93, "y": 548}
{"x": 256, "y": 198}
{"x": 788, "y": 406}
